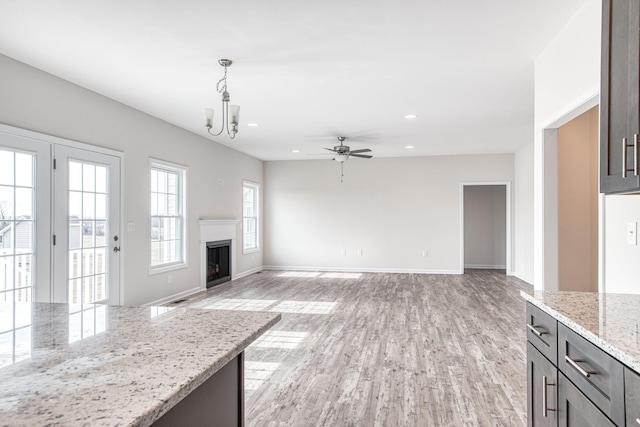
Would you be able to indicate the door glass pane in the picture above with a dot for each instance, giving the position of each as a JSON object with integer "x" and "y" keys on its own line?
{"x": 16, "y": 225}
{"x": 88, "y": 237}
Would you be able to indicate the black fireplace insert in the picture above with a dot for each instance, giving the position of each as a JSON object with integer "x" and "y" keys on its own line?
{"x": 218, "y": 262}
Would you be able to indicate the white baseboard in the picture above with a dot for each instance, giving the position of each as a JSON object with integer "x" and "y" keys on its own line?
{"x": 175, "y": 297}
{"x": 248, "y": 273}
{"x": 529, "y": 280}
{"x": 358, "y": 270}
{"x": 486, "y": 267}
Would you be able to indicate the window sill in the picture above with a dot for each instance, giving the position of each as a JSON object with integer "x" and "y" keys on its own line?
{"x": 166, "y": 268}
{"x": 250, "y": 251}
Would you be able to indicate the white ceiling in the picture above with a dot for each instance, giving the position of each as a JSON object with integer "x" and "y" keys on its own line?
{"x": 306, "y": 71}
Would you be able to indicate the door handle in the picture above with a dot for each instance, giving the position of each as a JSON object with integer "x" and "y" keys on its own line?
{"x": 116, "y": 249}
{"x": 545, "y": 384}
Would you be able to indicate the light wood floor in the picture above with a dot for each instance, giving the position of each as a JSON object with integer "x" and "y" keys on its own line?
{"x": 383, "y": 349}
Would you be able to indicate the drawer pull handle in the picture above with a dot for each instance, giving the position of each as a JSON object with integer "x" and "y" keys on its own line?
{"x": 574, "y": 365}
{"x": 624, "y": 157}
{"x": 545, "y": 384}
{"x": 635, "y": 154}
{"x": 535, "y": 330}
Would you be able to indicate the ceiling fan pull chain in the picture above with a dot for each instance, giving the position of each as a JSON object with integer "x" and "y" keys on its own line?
{"x": 341, "y": 173}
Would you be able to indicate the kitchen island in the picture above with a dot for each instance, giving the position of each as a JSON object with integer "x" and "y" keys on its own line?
{"x": 105, "y": 365}
{"x": 609, "y": 321}
{"x": 583, "y": 359}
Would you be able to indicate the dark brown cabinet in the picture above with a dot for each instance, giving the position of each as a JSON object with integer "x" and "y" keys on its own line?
{"x": 619, "y": 97}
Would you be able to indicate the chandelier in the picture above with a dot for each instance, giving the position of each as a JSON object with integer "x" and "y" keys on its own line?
{"x": 230, "y": 113}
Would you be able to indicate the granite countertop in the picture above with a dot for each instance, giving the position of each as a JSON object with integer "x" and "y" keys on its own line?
{"x": 63, "y": 365}
{"x": 610, "y": 321}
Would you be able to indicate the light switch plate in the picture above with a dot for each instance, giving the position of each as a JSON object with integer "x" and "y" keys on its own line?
{"x": 632, "y": 233}
{"x": 131, "y": 226}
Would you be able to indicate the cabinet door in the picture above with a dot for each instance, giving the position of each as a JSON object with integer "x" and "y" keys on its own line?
{"x": 542, "y": 380}
{"x": 632, "y": 397}
{"x": 575, "y": 410}
{"x": 619, "y": 106}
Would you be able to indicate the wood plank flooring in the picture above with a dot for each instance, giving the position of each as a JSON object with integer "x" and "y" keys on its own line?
{"x": 376, "y": 349}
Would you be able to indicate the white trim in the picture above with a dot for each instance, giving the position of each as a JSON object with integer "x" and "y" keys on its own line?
{"x": 579, "y": 106}
{"x": 357, "y": 270}
{"x": 42, "y": 137}
{"x": 184, "y": 172}
{"x": 174, "y": 297}
{"x": 528, "y": 280}
{"x": 507, "y": 185}
{"x": 545, "y": 268}
{"x": 256, "y": 187}
{"x": 485, "y": 267}
{"x": 249, "y": 272}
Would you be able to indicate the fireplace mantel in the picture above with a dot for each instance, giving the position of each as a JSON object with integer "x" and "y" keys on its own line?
{"x": 212, "y": 230}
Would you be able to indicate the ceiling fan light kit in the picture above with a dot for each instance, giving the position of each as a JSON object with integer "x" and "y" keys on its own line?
{"x": 343, "y": 152}
{"x": 230, "y": 113}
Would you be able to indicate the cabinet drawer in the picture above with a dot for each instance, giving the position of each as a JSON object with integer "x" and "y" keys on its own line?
{"x": 598, "y": 375}
{"x": 575, "y": 410}
{"x": 632, "y": 397}
{"x": 542, "y": 332}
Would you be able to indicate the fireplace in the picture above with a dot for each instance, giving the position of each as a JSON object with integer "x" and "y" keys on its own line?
{"x": 213, "y": 231}
{"x": 218, "y": 262}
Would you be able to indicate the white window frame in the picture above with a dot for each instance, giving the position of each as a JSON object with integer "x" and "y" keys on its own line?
{"x": 182, "y": 172}
{"x": 256, "y": 200}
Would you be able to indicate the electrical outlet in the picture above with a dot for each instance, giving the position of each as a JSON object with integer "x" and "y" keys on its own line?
{"x": 359, "y": 252}
{"x": 343, "y": 251}
{"x": 632, "y": 233}
{"x": 425, "y": 253}
{"x": 131, "y": 226}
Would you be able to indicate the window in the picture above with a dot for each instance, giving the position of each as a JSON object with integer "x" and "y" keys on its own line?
{"x": 17, "y": 191}
{"x": 168, "y": 220}
{"x": 249, "y": 216}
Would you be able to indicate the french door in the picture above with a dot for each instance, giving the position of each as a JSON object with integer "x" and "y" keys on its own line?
{"x": 25, "y": 226}
{"x": 59, "y": 220}
{"x": 87, "y": 226}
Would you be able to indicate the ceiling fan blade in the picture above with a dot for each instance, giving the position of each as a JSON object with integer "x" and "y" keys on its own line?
{"x": 332, "y": 149}
{"x": 362, "y": 150}
{"x": 362, "y": 156}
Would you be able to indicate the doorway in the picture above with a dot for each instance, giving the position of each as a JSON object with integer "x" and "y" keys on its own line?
{"x": 485, "y": 226}
{"x": 61, "y": 220}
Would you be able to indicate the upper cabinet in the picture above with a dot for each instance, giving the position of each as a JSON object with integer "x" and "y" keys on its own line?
{"x": 619, "y": 97}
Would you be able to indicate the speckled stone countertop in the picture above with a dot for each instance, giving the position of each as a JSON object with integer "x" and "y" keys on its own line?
{"x": 610, "y": 321}
{"x": 98, "y": 365}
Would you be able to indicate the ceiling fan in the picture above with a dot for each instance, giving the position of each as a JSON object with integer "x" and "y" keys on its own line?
{"x": 343, "y": 152}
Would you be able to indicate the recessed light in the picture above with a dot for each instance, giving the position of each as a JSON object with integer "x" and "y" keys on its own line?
{"x": 410, "y": 116}
{"x": 295, "y": 151}
{"x": 252, "y": 125}
{"x": 409, "y": 147}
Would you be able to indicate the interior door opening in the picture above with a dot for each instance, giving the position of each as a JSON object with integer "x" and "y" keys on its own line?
{"x": 485, "y": 230}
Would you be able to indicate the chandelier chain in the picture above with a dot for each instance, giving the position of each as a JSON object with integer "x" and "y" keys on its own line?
{"x": 223, "y": 79}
